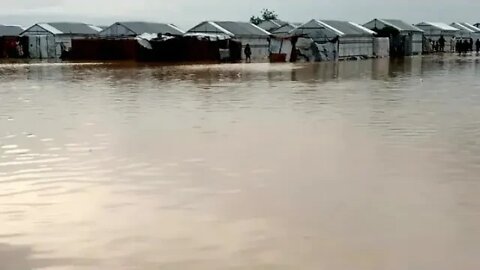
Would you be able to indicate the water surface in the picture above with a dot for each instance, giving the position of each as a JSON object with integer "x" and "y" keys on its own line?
{"x": 354, "y": 165}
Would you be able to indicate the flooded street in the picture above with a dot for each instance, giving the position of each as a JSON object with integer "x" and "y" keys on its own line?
{"x": 367, "y": 165}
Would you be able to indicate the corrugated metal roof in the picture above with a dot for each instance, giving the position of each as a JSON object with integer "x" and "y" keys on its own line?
{"x": 400, "y": 25}
{"x": 151, "y": 27}
{"x": 471, "y": 26}
{"x": 348, "y": 28}
{"x": 50, "y": 28}
{"x": 316, "y": 30}
{"x": 461, "y": 27}
{"x": 466, "y": 26}
{"x": 287, "y": 28}
{"x": 363, "y": 28}
{"x": 438, "y": 25}
{"x": 271, "y": 25}
{"x": 58, "y": 28}
{"x": 74, "y": 28}
{"x": 10, "y": 30}
{"x": 237, "y": 29}
{"x": 325, "y": 30}
{"x": 206, "y": 35}
{"x": 243, "y": 29}
{"x": 96, "y": 28}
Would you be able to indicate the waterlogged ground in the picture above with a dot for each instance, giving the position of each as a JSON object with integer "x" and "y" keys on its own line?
{"x": 356, "y": 165}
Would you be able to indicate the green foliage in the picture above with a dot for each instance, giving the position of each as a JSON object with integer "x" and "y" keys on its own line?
{"x": 265, "y": 15}
{"x": 255, "y": 20}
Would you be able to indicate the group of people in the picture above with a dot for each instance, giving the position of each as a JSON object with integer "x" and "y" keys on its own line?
{"x": 465, "y": 46}
{"x": 461, "y": 46}
{"x": 438, "y": 46}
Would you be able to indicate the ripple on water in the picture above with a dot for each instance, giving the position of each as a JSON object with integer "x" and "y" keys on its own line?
{"x": 30, "y": 162}
{"x": 17, "y": 151}
{"x": 10, "y": 146}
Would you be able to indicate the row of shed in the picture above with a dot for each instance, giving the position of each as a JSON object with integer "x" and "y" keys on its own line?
{"x": 316, "y": 40}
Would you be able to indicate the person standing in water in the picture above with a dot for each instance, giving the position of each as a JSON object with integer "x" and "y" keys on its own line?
{"x": 441, "y": 44}
{"x": 477, "y": 45}
{"x": 465, "y": 47}
{"x": 248, "y": 53}
{"x": 453, "y": 42}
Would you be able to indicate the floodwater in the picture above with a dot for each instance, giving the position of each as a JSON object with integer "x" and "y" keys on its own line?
{"x": 356, "y": 165}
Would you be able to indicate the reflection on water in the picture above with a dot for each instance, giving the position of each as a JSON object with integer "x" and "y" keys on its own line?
{"x": 351, "y": 165}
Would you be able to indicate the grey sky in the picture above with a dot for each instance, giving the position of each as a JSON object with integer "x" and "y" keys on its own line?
{"x": 187, "y": 13}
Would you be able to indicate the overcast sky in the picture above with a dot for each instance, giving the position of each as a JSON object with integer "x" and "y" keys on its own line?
{"x": 187, "y": 13}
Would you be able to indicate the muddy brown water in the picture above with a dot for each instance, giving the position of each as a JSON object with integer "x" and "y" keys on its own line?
{"x": 355, "y": 165}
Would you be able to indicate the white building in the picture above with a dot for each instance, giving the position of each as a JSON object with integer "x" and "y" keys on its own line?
{"x": 134, "y": 29}
{"x": 408, "y": 39}
{"x": 49, "y": 40}
{"x": 434, "y": 30}
{"x": 466, "y": 31}
{"x": 337, "y": 39}
{"x": 246, "y": 33}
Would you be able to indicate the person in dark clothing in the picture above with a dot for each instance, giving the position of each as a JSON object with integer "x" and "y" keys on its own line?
{"x": 471, "y": 44}
{"x": 458, "y": 47}
{"x": 441, "y": 44}
{"x": 248, "y": 53}
{"x": 477, "y": 45}
{"x": 465, "y": 46}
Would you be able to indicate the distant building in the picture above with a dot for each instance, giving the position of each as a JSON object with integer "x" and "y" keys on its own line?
{"x": 272, "y": 25}
{"x": 10, "y": 30}
{"x": 50, "y": 40}
{"x": 11, "y": 46}
{"x": 432, "y": 31}
{"x": 405, "y": 39}
{"x": 134, "y": 29}
{"x": 245, "y": 32}
{"x": 336, "y": 39}
{"x": 466, "y": 30}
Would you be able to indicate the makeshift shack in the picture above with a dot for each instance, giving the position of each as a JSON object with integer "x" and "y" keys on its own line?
{"x": 243, "y": 32}
{"x": 326, "y": 40}
{"x": 11, "y": 45}
{"x": 434, "y": 31}
{"x": 51, "y": 40}
{"x": 405, "y": 39}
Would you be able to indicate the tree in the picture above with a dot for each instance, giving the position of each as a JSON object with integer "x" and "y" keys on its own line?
{"x": 265, "y": 15}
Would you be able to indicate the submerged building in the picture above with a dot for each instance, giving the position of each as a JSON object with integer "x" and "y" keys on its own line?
{"x": 134, "y": 29}
{"x": 244, "y": 32}
{"x": 51, "y": 40}
{"x": 405, "y": 39}
{"x": 334, "y": 40}
{"x": 433, "y": 31}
